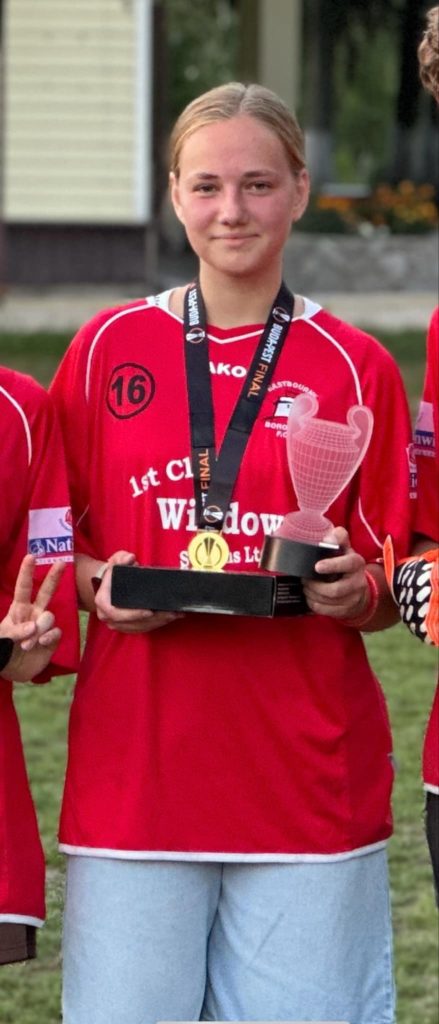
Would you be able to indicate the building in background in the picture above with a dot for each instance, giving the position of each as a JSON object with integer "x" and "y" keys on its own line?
{"x": 82, "y": 175}
{"x": 78, "y": 134}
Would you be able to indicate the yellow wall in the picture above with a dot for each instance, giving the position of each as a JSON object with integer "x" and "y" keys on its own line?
{"x": 77, "y": 113}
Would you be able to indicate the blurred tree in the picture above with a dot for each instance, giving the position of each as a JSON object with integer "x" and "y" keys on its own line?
{"x": 321, "y": 27}
{"x": 202, "y": 48}
{"x": 363, "y": 110}
{"x": 366, "y": 84}
{"x": 412, "y": 154}
{"x": 337, "y": 42}
{"x": 199, "y": 47}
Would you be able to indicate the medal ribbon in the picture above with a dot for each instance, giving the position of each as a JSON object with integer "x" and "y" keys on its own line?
{"x": 215, "y": 475}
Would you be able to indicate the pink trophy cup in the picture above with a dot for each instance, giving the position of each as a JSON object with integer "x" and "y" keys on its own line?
{"x": 322, "y": 457}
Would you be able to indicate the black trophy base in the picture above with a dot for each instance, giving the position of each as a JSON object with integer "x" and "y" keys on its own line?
{"x": 296, "y": 558}
{"x": 188, "y": 590}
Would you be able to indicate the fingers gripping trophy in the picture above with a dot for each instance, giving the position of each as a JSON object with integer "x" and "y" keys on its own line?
{"x": 322, "y": 458}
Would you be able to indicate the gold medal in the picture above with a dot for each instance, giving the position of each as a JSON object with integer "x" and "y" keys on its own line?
{"x": 208, "y": 551}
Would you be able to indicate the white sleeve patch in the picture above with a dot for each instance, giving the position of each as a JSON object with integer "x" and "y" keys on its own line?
{"x": 50, "y": 534}
{"x": 424, "y": 419}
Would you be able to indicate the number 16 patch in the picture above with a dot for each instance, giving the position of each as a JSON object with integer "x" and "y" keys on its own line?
{"x": 130, "y": 390}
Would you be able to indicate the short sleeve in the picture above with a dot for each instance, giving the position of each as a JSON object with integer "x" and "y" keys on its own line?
{"x": 68, "y": 391}
{"x": 386, "y": 485}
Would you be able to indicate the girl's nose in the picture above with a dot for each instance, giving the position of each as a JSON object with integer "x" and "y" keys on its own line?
{"x": 233, "y": 207}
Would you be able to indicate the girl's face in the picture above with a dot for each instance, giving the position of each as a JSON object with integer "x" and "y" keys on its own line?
{"x": 237, "y": 196}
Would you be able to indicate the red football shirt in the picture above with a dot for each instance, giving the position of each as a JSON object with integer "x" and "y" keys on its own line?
{"x": 427, "y": 510}
{"x": 221, "y": 737}
{"x": 34, "y": 516}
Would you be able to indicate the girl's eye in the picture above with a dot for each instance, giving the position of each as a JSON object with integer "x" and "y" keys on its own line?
{"x": 260, "y": 186}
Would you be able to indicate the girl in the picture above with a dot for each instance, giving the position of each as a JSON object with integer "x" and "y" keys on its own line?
{"x": 227, "y": 802}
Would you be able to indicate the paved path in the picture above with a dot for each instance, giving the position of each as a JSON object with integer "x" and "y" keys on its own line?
{"x": 64, "y": 308}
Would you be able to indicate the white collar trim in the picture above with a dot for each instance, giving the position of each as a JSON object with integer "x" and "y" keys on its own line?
{"x": 162, "y": 302}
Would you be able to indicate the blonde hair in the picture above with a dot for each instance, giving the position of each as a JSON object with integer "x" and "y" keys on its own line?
{"x": 428, "y": 54}
{"x": 230, "y": 100}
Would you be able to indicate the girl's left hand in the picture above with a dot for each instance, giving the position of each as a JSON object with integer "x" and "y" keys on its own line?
{"x": 346, "y": 598}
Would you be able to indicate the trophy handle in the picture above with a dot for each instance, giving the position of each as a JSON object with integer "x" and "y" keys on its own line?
{"x": 303, "y": 407}
{"x": 360, "y": 418}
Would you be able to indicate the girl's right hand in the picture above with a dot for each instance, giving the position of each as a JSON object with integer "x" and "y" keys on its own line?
{"x": 127, "y": 620}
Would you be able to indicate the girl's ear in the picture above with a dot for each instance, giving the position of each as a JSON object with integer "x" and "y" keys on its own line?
{"x": 174, "y": 191}
{"x": 300, "y": 201}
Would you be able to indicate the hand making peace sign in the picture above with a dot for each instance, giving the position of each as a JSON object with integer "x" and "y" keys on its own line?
{"x": 29, "y": 623}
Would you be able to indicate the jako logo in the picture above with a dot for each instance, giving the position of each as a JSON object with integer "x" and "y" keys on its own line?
{"x": 227, "y": 370}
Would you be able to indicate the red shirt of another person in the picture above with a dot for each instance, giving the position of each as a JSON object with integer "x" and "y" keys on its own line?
{"x": 34, "y": 517}
{"x": 427, "y": 511}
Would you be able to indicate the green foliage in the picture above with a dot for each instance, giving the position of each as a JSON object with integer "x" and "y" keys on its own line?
{"x": 364, "y": 87}
{"x": 202, "y": 47}
{"x": 366, "y": 81}
{"x": 361, "y": 45}
{"x": 324, "y": 221}
{"x": 405, "y": 208}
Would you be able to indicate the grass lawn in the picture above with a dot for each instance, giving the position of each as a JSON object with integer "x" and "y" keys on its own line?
{"x": 29, "y": 994}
